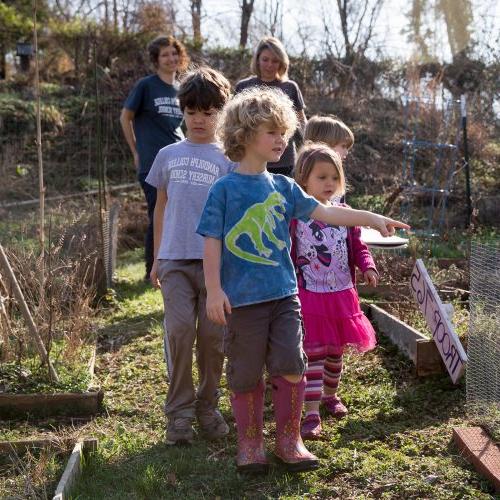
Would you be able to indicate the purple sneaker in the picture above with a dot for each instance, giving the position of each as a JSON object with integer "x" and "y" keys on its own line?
{"x": 311, "y": 427}
{"x": 334, "y": 406}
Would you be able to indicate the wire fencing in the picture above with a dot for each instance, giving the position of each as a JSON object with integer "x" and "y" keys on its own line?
{"x": 483, "y": 347}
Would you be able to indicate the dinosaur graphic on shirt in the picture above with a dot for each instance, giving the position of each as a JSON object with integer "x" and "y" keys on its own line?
{"x": 258, "y": 220}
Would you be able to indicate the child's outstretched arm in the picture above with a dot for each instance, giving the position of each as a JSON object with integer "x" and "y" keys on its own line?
{"x": 217, "y": 301}
{"x": 343, "y": 216}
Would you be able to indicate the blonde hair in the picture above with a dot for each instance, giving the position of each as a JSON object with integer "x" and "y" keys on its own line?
{"x": 330, "y": 130}
{"x": 276, "y": 47}
{"x": 309, "y": 155}
{"x": 242, "y": 116}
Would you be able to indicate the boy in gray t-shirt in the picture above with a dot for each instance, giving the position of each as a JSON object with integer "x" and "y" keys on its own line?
{"x": 183, "y": 173}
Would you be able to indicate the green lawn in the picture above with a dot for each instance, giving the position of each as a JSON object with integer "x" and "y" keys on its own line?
{"x": 395, "y": 443}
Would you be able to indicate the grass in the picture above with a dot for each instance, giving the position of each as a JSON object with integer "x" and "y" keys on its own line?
{"x": 395, "y": 443}
{"x": 29, "y": 375}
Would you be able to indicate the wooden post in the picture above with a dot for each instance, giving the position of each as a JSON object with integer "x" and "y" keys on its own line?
{"x": 23, "y": 307}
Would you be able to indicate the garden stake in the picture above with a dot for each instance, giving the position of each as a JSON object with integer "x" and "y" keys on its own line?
{"x": 463, "y": 108}
{"x": 23, "y": 306}
{"x": 41, "y": 186}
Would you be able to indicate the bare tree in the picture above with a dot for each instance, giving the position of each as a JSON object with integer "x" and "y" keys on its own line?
{"x": 417, "y": 32}
{"x": 196, "y": 22}
{"x": 246, "y": 14}
{"x": 357, "y": 21}
{"x": 458, "y": 18}
{"x": 269, "y": 20}
{"x": 275, "y": 10}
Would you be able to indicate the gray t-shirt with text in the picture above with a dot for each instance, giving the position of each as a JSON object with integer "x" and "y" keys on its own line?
{"x": 186, "y": 171}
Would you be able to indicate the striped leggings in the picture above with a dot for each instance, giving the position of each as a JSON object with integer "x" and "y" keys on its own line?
{"x": 323, "y": 377}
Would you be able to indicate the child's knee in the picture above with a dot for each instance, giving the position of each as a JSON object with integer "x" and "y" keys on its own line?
{"x": 180, "y": 330}
{"x": 293, "y": 379}
{"x": 241, "y": 378}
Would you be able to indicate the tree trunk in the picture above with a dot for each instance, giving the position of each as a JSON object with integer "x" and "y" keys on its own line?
{"x": 196, "y": 21}
{"x": 3, "y": 64}
{"x": 458, "y": 17}
{"x": 343, "y": 8}
{"x": 246, "y": 14}
{"x": 115, "y": 16}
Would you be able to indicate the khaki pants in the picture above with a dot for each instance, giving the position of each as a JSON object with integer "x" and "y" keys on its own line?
{"x": 186, "y": 321}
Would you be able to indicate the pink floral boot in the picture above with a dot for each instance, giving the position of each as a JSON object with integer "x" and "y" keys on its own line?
{"x": 248, "y": 411}
{"x": 287, "y": 400}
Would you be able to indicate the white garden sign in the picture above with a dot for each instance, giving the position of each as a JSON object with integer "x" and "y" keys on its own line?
{"x": 447, "y": 341}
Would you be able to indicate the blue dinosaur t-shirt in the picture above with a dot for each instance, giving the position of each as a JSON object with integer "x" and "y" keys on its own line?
{"x": 157, "y": 118}
{"x": 251, "y": 215}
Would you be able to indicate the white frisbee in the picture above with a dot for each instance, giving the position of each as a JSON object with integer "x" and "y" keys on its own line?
{"x": 373, "y": 238}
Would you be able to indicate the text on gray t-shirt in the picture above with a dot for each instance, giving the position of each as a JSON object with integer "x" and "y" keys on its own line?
{"x": 186, "y": 171}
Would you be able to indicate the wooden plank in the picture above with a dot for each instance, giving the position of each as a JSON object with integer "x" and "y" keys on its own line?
{"x": 22, "y": 446}
{"x": 478, "y": 448}
{"x": 74, "y": 404}
{"x": 417, "y": 347}
{"x": 429, "y": 360}
{"x": 73, "y": 469}
{"x": 400, "y": 334}
{"x": 443, "y": 333}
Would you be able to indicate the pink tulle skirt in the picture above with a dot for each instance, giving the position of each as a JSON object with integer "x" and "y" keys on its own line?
{"x": 333, "y": 321}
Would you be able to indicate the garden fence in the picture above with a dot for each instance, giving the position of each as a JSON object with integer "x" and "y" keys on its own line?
{"x": 483, "y": 348}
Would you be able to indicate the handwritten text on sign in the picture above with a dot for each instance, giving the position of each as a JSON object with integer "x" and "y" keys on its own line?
{"x": 444, "y": 336}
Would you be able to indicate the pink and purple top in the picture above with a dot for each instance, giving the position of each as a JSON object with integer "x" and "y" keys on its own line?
{"x": 321, "y": 257}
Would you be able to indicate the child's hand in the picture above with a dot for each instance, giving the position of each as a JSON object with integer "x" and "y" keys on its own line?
{"x": 371, "y": 277}
{"x": 217, "y": 305}
{"x": 153, "y": 275}
{"x": 385, "y": 225}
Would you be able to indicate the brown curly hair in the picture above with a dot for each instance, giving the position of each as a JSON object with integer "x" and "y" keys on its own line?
{"x": 242, "y": 116}
{"x": 161, "y": 42}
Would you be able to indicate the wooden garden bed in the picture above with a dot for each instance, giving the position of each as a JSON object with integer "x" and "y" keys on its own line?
{"x": 43, "y": 405}
{"x": 14, "y": 449}
{"x": 419, "y": 348}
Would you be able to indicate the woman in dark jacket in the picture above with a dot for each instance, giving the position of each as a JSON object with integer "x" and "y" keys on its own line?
{"x": 270, "y": 66}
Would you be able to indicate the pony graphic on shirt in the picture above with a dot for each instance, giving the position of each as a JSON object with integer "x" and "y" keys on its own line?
{"x": 322, "y": 261}
{"x": 257, "y": 221}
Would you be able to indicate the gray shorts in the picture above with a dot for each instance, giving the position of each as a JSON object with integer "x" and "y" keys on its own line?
{"x": 268, "y": 334}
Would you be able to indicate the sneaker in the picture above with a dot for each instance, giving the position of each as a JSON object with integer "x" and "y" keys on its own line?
{"x": 180, "y": 430}
{"x": 212, "y": 423}
{"x": 334, "y": 406}
{"x": 311, "y": 427}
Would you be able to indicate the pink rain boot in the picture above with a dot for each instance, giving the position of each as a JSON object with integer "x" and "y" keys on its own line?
{"x": 287, "y": 400}
{"x": 248, "y": 411}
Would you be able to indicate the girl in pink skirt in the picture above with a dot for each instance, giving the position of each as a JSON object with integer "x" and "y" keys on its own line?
{"x": 325, "y": 258}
